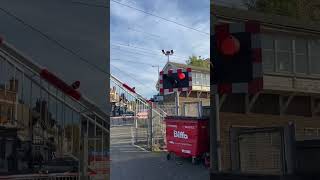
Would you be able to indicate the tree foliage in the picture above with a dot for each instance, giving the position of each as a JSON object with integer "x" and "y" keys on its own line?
{"x": 198, "y": 61}
{"x": 299, "y": 9}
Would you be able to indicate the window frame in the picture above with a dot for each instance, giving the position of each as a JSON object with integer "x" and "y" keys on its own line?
{"x": 290, "y": 52}
{"x": 272, "y": 51}
{"x": 295, "y": 54}
{"x": 310, "y": 59}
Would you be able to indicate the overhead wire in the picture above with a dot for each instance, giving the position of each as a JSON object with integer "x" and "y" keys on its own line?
{"x": 59, "y": 44}
{"x": 131, "y": 61}
{"x": 90, "y": 4}
{"x": 145, "y": 49}
{"x": 150, "y": 14}
{"x": 130, "y": 75}
{"x": 146, "y": 33}
{"x": 160, "y": 17}
{"x": 137, "y": 53}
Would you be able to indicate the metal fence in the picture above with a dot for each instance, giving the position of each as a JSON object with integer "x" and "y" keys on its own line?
{"x": 169, "y": 109}
{"x": 130, "y": 108}
{"x": 68, "y": 176}
{"x": 190, "y": 109}
{"x": 41, "y": 125}
{"x": 258, "y": 150}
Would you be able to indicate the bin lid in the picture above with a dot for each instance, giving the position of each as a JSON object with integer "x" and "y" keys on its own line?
{"x": 186, "y": 118}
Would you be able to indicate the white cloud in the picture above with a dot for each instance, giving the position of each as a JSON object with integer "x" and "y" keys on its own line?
{"x": 183, "y": 41}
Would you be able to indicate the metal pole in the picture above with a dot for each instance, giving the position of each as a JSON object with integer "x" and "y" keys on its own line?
{"x": 218, "y": 128}
{"x": 150, "y": 128}
{"x": 215, "y": 151}
{"x": 85, "y": 155}
{"x": 200, "y": 109}
{"x": 177, "y": 102}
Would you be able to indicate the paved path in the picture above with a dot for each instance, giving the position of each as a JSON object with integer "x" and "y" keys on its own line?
{"x": 129, "y": 162}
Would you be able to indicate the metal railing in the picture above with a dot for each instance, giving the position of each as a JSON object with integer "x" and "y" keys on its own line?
{"x": 149, "y": 129}
{"x": 68, "y": 128}
{"x": 68, "y": 176}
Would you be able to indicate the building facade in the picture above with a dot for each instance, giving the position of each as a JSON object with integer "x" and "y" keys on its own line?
{"x": 25, "y": 132}
{"x": 291, "y": 78}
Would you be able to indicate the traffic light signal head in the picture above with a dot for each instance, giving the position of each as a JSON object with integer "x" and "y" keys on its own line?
{"x": 230, "y": 46}
{"x": 237, "y": 65}
{"x": 181, "y": 76}
{"x": 175, "y": 81}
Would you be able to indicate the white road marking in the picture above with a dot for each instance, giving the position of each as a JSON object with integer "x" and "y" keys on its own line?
{"x": 143, "y": 149}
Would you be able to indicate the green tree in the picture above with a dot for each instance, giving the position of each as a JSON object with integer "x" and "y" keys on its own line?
{"x": 198, "y": 61}
{"x": 299, "y": 9}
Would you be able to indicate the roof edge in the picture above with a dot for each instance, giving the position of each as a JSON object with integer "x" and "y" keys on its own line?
{"x": 271, "y": 20}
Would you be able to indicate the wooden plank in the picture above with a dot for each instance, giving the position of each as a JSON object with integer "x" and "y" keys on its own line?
{"x": 277, "y": 83}
{"x": 308, "y": 85}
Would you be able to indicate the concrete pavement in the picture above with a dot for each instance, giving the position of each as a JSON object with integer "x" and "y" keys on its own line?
{"x": 133, "y": 163}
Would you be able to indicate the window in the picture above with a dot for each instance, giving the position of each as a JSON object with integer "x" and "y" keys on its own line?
{"x": 197, "y": 78}
{"x": 204, "y": 79}
{"x": 283, "y": 53}
{"x": 268, "y": 53}
{"x": 301, "y": 58}
{"x": 193, "y": 78}
{"x": 201, "y": 79}
{"x": 279, "y": 53}
{"x": 207, "y": 80}
{"x": 315, "y": 57}
{"x": 10, "y": 113}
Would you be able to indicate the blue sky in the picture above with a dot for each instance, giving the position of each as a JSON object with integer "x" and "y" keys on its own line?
{"x": 138, "y": 38}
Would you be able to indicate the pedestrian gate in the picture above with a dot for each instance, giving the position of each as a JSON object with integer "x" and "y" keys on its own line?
{"x": 130, "y": 108}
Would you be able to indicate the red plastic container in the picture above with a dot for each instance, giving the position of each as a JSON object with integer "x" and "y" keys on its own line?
{"x": 187, "y": 137}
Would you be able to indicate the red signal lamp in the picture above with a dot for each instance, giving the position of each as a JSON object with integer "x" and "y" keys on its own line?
{"x": 181, "y": 76}
{"x": 230, "y": 46}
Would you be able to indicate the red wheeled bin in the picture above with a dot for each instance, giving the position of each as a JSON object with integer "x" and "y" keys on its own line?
{"x": 187, "y": 137}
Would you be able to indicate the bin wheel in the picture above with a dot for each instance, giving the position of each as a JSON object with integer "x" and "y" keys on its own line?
{"x": 194, "y": 160}
{"x": 168, "y": 156}
{"x": 206, "y": 162}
